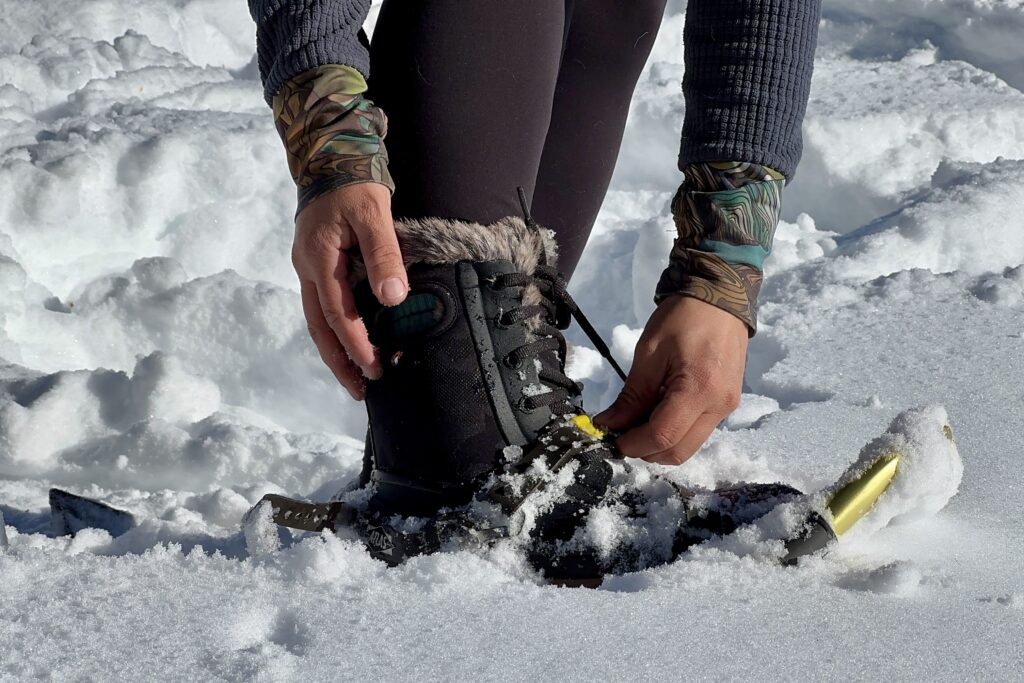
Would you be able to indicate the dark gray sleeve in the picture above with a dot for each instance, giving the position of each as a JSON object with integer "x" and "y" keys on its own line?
{"x": 747, "y": 80}
{"x": 293, "y": 36}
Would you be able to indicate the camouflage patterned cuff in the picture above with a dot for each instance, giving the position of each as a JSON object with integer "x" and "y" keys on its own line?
{"x": 332, "y": 134}
{"x": 725, "y": 214}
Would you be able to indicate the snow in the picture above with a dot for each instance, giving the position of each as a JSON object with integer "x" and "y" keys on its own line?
{"x": 930, "y": 469}
{"x": 153, "y": 355}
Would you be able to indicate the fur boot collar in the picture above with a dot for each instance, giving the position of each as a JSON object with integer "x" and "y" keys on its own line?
{"x": 438, "y": 241}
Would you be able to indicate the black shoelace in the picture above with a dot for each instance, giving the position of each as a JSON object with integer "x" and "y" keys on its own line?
{"x": 554, "y": 313}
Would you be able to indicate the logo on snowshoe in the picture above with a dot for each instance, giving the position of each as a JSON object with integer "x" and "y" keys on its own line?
{"x": 379, "y": 539}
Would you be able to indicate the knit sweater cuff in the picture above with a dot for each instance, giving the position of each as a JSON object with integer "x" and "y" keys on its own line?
{"x": 748, "y": 77}
{"x": 294, "y": 36}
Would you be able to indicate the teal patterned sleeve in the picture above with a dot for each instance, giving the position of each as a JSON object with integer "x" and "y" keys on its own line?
{"x": 725, "y": 215}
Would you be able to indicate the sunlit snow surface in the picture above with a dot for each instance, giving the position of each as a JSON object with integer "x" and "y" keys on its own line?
{"x": 153, "y": 354}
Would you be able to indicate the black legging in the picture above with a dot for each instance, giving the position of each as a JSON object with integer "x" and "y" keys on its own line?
{"x": 483, "y": 96}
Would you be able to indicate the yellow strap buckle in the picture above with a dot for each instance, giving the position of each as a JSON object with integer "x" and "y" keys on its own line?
{"x": 583, "y": 423}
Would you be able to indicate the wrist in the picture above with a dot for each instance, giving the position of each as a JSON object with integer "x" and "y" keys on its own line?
{"x": 705, "y": 277}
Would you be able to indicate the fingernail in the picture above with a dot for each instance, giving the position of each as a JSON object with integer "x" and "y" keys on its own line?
{"x": 605, "y": 417}
{"x": 393, "y": 291}
{"x": 372, "y": 371}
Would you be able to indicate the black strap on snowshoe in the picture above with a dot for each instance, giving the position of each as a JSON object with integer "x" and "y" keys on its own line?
{"x": 382, "y": 539}
{"x": 562, "y": 444}
{"x": 307, "y": 516}
{"x": 70, "y": 513}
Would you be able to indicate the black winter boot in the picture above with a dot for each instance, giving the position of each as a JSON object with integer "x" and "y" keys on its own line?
{"x": 474, "y": 405}
{"x": 474, "y": 360}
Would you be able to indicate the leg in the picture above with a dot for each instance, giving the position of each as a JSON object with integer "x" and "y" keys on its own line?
{"x": 607, "y": 46}
{"x": 467, "y": 87}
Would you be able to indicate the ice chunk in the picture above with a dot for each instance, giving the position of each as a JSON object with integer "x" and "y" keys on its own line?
{"x": 752, "y": 408}
{"x": 261, "y": 534}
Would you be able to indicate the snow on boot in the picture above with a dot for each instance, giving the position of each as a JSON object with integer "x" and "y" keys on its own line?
{"x": 909, "y": 472}
{"x": 474, "y": 360}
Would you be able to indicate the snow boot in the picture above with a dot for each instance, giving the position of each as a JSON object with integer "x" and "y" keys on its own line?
{"x": 474, "y": 360}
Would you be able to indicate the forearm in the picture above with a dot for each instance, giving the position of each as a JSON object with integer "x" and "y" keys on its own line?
{"x": 748, "y": 77}
{"x": 747, "y": 80}
{"x": 294, "y": 36}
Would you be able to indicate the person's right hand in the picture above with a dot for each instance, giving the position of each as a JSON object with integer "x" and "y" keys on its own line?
{"x": 325, "y": 230}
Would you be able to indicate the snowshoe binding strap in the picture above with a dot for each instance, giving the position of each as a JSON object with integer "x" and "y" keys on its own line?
{"x": 383, "y": 540}
{"x": 306, "y": 516}
{"x": 565, "y": 441}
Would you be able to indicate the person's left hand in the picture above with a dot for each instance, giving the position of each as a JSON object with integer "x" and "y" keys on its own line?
{"x": 687, "y": 376}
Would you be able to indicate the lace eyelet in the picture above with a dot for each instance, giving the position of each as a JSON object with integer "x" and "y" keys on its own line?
{"x": 507, "y": 362}
{"x": 523, "y": 405}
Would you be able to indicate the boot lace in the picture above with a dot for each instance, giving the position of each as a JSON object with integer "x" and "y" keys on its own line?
{"x": 554, "y": 313}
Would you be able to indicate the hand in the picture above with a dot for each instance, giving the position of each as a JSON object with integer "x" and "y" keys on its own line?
{"x": 687, "y": 376}
{"x": 325, "y": 230}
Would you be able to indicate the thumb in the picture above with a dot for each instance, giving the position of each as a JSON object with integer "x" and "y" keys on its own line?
{"x": 636, "y": 399}
{"x": 378, "y": 244}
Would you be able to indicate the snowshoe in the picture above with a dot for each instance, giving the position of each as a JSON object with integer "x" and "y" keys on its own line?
{"x": 70, "y": 513}
{"x": 911, "y": 470}
{"x": 476, "y": 432}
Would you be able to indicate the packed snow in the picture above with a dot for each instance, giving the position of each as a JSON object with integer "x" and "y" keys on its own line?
{"x": 153, "y": 356}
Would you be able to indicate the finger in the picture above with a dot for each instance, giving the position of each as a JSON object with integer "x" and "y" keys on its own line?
{"x": 702, "y": 428}
{"x": 331, "y": 351}
{"x": 353, "y": 374}
{"x": 638, "y": 396}
{"x": 339, "y": 310}
{"x": 671, "y": 419}
{"x": 378, "y": 243}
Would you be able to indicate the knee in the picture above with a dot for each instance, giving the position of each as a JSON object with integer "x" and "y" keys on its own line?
{"x": 634, "y": 20}
{"x": 625, "y": 29}
{"x": 648, "y": 14}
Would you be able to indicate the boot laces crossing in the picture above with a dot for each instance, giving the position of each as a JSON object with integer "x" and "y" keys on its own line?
{"x": 552, "y": 314}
